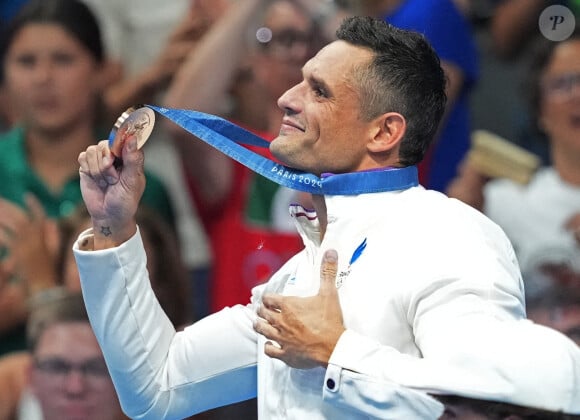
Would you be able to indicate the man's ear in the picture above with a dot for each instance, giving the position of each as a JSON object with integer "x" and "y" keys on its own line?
{"x": 387, "y": 132}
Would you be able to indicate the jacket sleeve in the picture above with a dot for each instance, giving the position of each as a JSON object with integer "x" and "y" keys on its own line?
{"x": 455, "y": 323}
{"x": 469, "y": 360}
{"x": 158, "y": 372}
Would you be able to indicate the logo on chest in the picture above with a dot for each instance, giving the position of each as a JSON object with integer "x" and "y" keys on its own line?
{"x": 341, "y": 277}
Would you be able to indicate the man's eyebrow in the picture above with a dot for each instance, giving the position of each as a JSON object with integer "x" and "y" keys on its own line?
{"x": 318, "y": 82}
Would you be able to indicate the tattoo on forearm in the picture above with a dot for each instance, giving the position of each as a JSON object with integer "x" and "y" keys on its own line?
{"x": 106, "y": 230}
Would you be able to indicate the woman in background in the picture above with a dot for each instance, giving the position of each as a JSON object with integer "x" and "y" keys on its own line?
{"x": 53, "y": 67}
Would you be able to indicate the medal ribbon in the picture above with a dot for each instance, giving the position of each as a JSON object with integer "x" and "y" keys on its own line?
{"x": 228, "y": 138}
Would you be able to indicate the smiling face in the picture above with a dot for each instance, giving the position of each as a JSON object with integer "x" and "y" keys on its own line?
{"x": 72, "y": 394}
{"x": 50, "y": 77}
{"x": 323, "y": 130}
{"x": 560, "y": 105}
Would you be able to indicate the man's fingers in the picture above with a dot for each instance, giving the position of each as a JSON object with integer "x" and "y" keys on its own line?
{"x": 269, "y": 315}
{"x": 328, "y": 270}
{"x": 83, "y": 163}
{"x": 97, "y": 163}
{"x": 273, "y": 349}
{"x": 261, "y": 326}
{"x": 272, "y": 301}
{"x": 106, "y": 161}
{"x": 90, "y": 161}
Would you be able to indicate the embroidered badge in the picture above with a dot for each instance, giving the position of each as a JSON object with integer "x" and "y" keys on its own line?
{"x": 355, "y": 256}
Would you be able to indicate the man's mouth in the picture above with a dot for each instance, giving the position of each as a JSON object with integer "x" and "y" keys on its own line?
{"x": 287, "y": 123}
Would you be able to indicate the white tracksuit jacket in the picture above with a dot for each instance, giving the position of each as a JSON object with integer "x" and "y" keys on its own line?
{"x": 432, "y": 268}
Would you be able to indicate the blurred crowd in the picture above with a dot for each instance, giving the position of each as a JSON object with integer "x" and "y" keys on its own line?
{"x": 213, "y": 229}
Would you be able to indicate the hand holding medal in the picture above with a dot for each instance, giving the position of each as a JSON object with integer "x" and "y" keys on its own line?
{"x": 112, "y": 188}
{"x": 136, "y": 121}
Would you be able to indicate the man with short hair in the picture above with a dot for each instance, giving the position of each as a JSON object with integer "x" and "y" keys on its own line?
{"x": 63, "y": 375}
{"x": 420, "y": 270}
{"x": 69, "y": 376}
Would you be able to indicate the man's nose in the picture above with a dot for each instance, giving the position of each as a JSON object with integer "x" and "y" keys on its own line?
{"x": 42, "y": 71}
{"x": 288, "y": 102}
{"x": 75, "y": 382}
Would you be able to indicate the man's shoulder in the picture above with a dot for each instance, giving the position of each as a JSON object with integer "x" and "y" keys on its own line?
{"x": 434, "y": 211}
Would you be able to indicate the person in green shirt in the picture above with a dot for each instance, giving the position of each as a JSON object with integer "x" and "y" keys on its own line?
{"x": 54, "y": 71}
{"x": 21, "y": 176}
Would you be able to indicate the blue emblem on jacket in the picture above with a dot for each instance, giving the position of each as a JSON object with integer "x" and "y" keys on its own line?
{"x": 355, "y": 256}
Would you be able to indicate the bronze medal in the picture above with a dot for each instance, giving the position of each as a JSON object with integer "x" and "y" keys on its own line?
{"x": 135, "y": 121}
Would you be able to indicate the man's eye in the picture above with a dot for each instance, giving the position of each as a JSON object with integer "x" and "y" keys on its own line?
{"x": 96, "y": 368}
{"x": 54, "y": 366}
{"x": 320, "y": 92}
{"x": 26, "y": 60}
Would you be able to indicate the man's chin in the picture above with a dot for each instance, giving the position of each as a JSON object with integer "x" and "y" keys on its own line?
{"x": 282, "y": 159}
{"x": 283, "y": 155}
{"x": 277, "y": 151}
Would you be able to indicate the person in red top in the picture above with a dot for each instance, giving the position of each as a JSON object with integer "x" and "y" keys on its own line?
{"x": 247, "y": 247}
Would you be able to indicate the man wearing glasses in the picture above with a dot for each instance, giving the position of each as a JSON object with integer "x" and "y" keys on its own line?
{"x": 68, "y": 377}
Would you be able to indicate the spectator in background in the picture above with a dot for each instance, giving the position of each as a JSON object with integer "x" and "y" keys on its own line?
{"x": 13, "y": 380}
{"x": 168, "y": 279}
{"x": 64, "y": 375}
{"x": 541, "y": 218}
{"x": 52, "y": 57}
{"x": 514, "y": 24}
{"x": 451, "y": 35}
{"x": 29, "y": 245}
{"x": 514, "y": 36}
{"x": 7, "y": 116}
{"x": 509, "y": 39}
